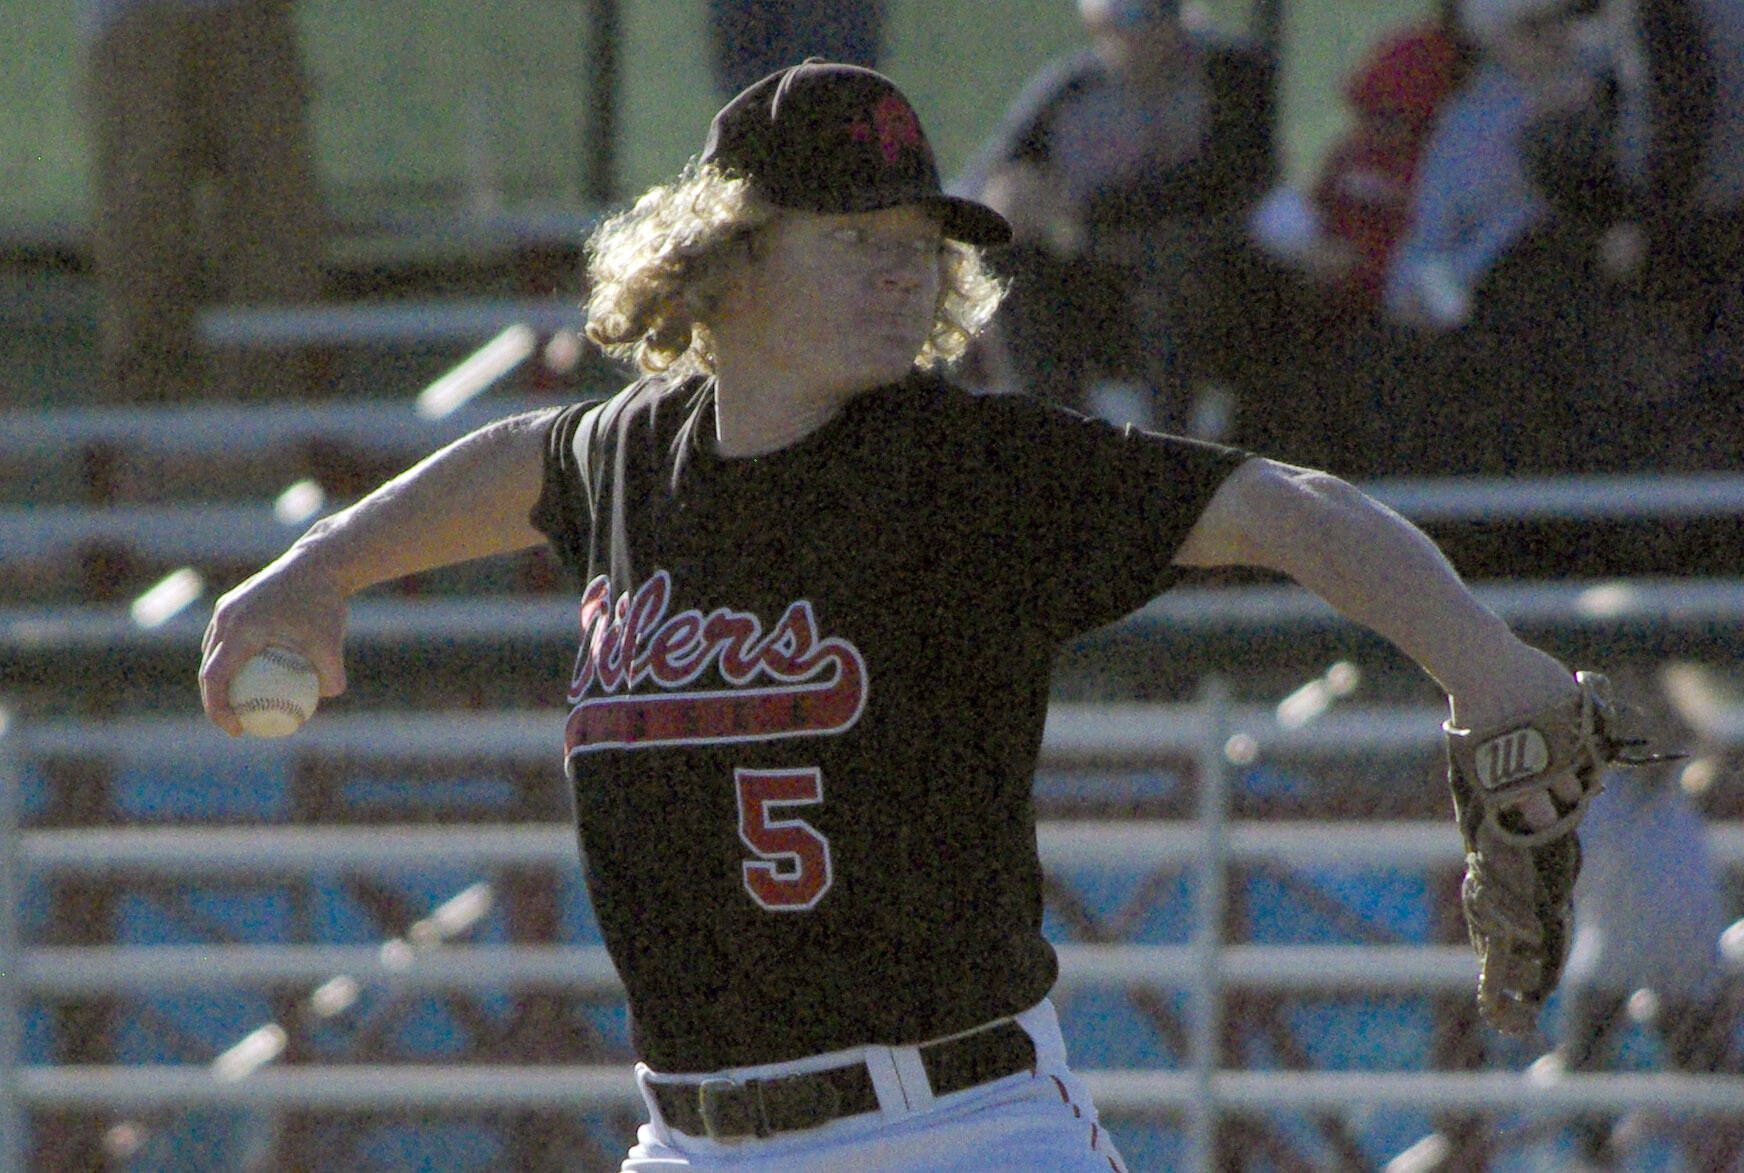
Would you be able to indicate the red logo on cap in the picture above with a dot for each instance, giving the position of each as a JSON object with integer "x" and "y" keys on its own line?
{"x": 893, "y": 124}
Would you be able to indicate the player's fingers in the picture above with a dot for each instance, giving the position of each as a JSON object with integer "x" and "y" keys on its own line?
{"x": 1538, "y": 811}
{"x": 1541, "y": 810}
{"x": 216, "y": 668}
{"x": 1568, "y": 789}
{"x": 329, "y": 666}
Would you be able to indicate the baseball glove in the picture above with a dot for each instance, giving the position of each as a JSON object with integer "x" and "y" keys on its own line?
{"x": 1519, "y": 879}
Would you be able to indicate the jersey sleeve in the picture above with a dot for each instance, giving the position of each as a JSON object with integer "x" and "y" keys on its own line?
{"x": 562, "y": 512}
{"x": 1092, "y": 515}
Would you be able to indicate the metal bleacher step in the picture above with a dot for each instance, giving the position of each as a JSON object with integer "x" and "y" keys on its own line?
{"x": 421, "y": 321}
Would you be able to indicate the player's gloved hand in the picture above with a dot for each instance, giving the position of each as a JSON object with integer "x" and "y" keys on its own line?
{"x": 1519, "y": 791}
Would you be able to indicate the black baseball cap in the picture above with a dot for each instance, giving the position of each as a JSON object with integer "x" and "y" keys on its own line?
{"x": 826, "y": 137}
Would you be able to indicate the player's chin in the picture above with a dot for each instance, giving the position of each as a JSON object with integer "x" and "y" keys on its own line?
{"x": 884, "y": 373}
{"x": 890, "y": 353}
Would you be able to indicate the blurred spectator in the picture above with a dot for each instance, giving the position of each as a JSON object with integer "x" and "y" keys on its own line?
{"x": 1620, "y": 176}
{"x": 1128, "y": 171}
{"x": 1650, "y": 911}
{"x": 1347, "y": 365}
{"x": 751, "y": 39}
{"x": 204, "y": 187}
{"x": 1648, "y": 918}
{"x": 1715, "y": 242}
{"x": 1474, "y": 200}
{"x": 1541, "y": 190}
{"x": 1344, "y": 233}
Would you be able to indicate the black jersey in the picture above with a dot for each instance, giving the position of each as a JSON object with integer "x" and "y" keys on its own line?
{"x": 803, "y": 732}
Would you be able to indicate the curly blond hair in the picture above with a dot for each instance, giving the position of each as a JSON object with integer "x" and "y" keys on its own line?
{"x": 655, "y": 273}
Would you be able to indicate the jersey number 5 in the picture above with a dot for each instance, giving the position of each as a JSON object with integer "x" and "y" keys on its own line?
{"x": 792, "y": 870}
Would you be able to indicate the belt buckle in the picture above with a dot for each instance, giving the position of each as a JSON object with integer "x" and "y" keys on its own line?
{"x": 726, "y": 1115}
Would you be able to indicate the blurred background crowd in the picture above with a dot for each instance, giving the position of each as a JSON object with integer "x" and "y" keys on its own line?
{"x": 1522, "y": 254}
{"x": 1468, "y": 236}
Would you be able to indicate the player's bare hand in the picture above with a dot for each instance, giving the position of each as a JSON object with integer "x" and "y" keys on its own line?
{"x": 282, "y": 605}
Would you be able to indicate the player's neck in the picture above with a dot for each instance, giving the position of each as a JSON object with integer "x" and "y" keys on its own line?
{"x": 776, "y": 410}
{"x": 757, "y": 425}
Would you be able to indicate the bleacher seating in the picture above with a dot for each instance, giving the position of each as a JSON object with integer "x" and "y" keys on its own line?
{"x": 449, "y": 725}
{"x": 1144, "y": 898}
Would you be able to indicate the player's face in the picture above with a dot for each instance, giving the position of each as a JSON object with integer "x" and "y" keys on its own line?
{"x": 847, "y": 300}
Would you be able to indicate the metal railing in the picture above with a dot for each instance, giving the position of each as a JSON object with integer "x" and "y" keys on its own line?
{"x": 1668, "y": 605}
{"x": 1205, "y": 966}
{"x": 245, "y": 529}
{"x": 248, "y": 529}
{"x": 13, "y": 1133}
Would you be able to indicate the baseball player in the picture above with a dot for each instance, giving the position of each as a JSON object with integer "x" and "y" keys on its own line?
{"x": 821, "y": 591}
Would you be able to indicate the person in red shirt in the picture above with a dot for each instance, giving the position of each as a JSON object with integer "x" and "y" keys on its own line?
{"x": 1332, "y": 245}
{"x": 1341, "y": 234}
{"x": 1363, "y": 197}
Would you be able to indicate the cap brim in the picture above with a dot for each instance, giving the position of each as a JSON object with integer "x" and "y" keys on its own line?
{"x": 970, "y": 222}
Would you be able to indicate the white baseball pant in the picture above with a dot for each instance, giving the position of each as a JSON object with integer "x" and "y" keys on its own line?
{"x": 1033, "y": 1121}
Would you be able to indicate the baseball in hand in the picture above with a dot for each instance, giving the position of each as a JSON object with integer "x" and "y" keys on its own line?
{"x": 274, "y": 693}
